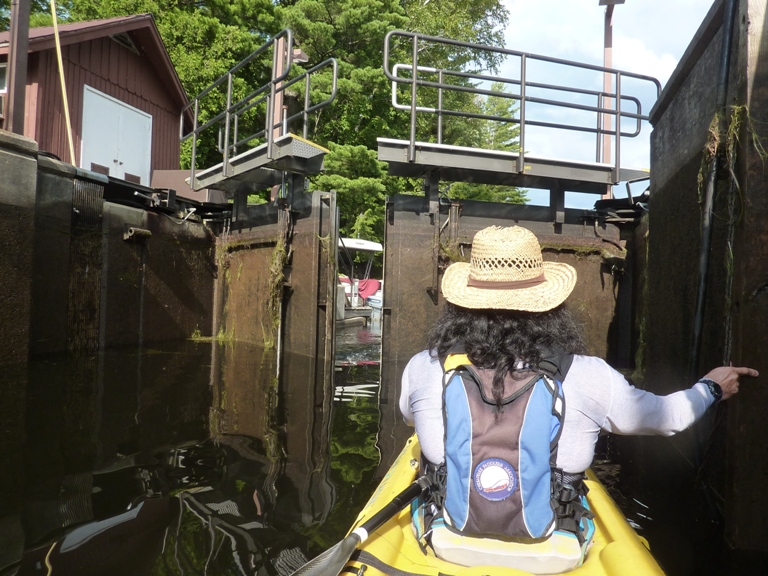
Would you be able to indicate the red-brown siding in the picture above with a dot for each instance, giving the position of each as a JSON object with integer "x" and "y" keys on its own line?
{"x": 111, "y": 68}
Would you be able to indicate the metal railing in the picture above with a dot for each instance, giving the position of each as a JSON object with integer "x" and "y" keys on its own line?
{"x": 264, "y": 99}
{"x": 615, "y": 105}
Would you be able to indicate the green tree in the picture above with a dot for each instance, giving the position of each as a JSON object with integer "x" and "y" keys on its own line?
{"x": 205, "y": 38}
{"x": 478, "y": 22}
{"x": 353, "y": 32}
{"x": 357, "y": 176}
{"x": 39, "y": 13}
{"x": 501, "y": 134}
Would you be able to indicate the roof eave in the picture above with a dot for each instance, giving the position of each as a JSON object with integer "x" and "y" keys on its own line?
{"x": 152, "y": 44}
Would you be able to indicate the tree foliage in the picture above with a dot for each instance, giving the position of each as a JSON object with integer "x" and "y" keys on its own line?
{"x": 476, "y": 22}
{"x": 205, "y": 38}
{"x": 356, "y": 175}
{"x": 39, "y": 13}
{"x": 352, "y": 31}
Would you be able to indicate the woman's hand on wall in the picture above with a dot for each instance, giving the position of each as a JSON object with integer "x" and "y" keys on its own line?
{"x": 728, "y": 378}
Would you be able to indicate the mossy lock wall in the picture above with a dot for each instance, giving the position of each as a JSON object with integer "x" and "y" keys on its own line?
{"x": 727, "y": 452}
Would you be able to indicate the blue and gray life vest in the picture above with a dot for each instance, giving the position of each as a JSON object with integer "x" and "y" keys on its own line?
{"x": 501, "y": 479}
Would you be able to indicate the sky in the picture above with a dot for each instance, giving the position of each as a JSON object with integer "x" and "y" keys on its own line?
{"x": 649, "y": 37}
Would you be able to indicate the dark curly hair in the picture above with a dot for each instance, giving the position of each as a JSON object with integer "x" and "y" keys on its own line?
{"x": 499, "y": 339}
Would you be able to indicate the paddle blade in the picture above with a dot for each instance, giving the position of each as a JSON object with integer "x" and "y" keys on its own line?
{"x": 330, "y": 562}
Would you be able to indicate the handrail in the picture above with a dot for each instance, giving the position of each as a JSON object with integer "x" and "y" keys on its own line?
{"x": 229, "y": 119}
{"x": 307, "y": 108}
{"x": 600, "y": 110}
{"x": 623, "y": 106}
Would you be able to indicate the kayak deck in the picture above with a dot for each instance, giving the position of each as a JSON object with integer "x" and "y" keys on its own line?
{"x": 392, "y": 549}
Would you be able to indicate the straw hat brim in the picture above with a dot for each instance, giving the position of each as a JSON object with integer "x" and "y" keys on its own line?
{"x": 560, "y": 278}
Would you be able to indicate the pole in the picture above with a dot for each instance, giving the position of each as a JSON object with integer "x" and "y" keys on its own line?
{"x": 277, "y": 105}
{"x": 607, "y": 88}
{"x": 709, "y": 191}
{"x": 17, "y": 65}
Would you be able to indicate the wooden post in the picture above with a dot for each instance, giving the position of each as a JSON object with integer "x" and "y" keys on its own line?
{"x": 17, "y": 65}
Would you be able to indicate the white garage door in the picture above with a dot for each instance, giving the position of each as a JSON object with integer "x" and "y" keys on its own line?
{"x": 116, "y": 138}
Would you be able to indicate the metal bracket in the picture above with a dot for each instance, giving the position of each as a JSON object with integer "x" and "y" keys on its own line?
{"x": 557, "y": 205}
{"x": 432, "y": 197}
{"x": 432, "y": 191}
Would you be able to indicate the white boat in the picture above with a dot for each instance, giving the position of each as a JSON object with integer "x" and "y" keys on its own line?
{"x": 358, "y": 297}
{"x": 377, "y": 300}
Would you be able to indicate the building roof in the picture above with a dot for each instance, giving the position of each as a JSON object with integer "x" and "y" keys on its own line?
{"x": 144, "y": 34}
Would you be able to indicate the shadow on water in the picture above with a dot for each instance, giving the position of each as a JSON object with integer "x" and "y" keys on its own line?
{"x": 658, "y": 493}
{"x": 186, "y": 459}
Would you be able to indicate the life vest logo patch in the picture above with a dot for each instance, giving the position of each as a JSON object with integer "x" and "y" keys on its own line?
{"x": 494, "y": 479}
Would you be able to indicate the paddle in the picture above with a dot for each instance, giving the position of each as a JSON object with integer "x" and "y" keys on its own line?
{"x": 330, "y": 562}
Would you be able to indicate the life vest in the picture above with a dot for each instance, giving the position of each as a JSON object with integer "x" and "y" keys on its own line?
{"x": 543, "y": 525}
{"x": 499, "y": 461}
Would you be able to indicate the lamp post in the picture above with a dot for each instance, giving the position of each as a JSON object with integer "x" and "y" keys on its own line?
{"x": 608, "y": 83}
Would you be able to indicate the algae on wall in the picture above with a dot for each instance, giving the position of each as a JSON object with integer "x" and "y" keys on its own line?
{"x": 251, "y": 299}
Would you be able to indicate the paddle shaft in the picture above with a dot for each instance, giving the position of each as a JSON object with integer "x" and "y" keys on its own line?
{"x": 331, "y": 562}
{"x": 398, "y": 503}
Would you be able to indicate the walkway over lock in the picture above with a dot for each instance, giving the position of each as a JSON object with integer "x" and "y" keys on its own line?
{"x": 262, "y": 156}
{"x": 462, "y": 164}
{"x": 435, "y": 91}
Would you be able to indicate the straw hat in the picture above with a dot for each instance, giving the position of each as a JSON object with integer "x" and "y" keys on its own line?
{"x": 507, "y": 272}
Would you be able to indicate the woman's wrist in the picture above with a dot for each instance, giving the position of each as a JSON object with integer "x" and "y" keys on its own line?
{"x": 714, "y": 389}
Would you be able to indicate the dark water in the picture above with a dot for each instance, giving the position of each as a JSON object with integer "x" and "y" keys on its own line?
{"x": 184, "y": 459}
{"x": 190, "y": 459}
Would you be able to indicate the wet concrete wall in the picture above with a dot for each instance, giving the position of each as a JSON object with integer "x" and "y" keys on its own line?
{"x": 747, "y": 443}
{"x": 276, "y": 292}
{"x": 93, "y": 289}
{"x": 74, "y": 281}
{"x": 18, "y": 175}
{"x": 87, "y": 314}
{"x": 680, "y": 135}
{"x": 411, "y": 280}
{"x": 731, "y": 458}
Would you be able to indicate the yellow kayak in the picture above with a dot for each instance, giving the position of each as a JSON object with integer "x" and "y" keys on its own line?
{"x": 392, "y": 548}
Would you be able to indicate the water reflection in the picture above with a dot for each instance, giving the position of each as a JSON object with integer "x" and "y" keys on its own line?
{"x": 358, "y": 344}
{"x": 184, "y": 459}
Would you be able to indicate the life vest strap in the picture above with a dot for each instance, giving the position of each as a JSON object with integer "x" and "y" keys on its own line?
{"x": 453, "y": 361}
{"x": 568, "y": 495}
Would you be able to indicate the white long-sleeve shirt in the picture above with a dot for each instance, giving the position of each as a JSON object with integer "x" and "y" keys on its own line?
{"x": 597, "y": 397}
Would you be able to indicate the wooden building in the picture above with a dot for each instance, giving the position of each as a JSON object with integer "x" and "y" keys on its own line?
{"x": 124, "y": 96}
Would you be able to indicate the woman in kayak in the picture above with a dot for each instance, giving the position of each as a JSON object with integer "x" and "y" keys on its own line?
{"x": 505, "y": 313}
